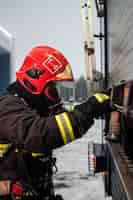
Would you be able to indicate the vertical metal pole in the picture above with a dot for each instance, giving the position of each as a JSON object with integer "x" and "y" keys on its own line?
{"x": 106, "y": 44}
{"x": 74, "y": 92}
{"x": 106, "y": 67}
{"x": 101, "y": 44}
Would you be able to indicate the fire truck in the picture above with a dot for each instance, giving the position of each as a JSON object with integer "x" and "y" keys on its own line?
{"x": 108, "y": 50}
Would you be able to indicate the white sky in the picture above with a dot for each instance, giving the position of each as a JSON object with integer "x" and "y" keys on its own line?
{"x": 45, "y": 22}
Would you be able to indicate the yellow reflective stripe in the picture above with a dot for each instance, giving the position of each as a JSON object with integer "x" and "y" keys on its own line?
{"x": 4, "y": 148}
{"x": 33, "y": 153}
{"x": 98, "y": 98}
{"x": 61, "y": 128}
{"x": 106, "y": 96}
{"x": 2, "y": 152}
{"x": 70, "y": 108}
{"x": 69, "y": 126}
{"x": 37, "y": 154}
{"x": 101, "y": 97}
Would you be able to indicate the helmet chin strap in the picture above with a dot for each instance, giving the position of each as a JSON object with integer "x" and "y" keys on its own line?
{"x": 48, "y": 95}
{"x": 51, "y": 93}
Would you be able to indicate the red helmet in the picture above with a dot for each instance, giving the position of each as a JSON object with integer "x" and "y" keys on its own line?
{"x": 42, "y": 65}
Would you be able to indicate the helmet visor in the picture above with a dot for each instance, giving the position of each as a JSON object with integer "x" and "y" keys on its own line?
{"x": 65, "y": 75}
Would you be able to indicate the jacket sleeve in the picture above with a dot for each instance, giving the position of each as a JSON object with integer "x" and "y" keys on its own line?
{"x": 44, "y": 134}
{"x": 65, "y": 127}
{"x": 28, "y": 130}
{"x": 40, "y": 134}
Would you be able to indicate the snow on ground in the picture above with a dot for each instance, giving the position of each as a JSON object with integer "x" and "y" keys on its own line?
{"x": 72, "y": 180}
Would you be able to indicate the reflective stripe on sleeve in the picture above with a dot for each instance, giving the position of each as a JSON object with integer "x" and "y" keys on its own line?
{"x": 69, "y": 126}
{"x": 61, "y": 128}
{"x": 65, "y": 127}
{"x": 101, "y": 97}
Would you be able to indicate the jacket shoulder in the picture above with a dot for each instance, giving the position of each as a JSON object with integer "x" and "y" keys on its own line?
{"x": 12, "y": 103}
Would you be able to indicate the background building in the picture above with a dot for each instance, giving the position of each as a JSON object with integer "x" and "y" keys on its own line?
{"x": 6, "y": 58}
{"x": 74, "y": 91}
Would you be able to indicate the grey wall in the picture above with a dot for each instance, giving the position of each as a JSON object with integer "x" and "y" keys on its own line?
{"x": 120, "y": 29}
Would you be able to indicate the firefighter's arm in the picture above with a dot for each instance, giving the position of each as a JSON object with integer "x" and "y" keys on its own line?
{"x": 65, "y": 127}
{"x": 40, "y": 134}
{"x": 34, "y": 133}
{"x": 68, "y": 126}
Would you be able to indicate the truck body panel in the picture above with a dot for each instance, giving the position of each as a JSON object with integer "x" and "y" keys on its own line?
{"x": 120, "y": 39}
{"x": 116, "y": 18}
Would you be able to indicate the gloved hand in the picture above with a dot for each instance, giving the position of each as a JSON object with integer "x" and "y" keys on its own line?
{"x": 96, "y": 105}
{"x": 100, "y": 103}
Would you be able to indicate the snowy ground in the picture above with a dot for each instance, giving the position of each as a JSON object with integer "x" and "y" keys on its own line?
{"x": 72, "y": 179}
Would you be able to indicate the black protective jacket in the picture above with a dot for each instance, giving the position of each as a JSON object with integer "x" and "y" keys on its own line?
{"x": 30, "y": 133}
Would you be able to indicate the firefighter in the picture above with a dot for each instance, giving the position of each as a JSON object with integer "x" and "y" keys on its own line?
{"x": 33, "y": 123}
